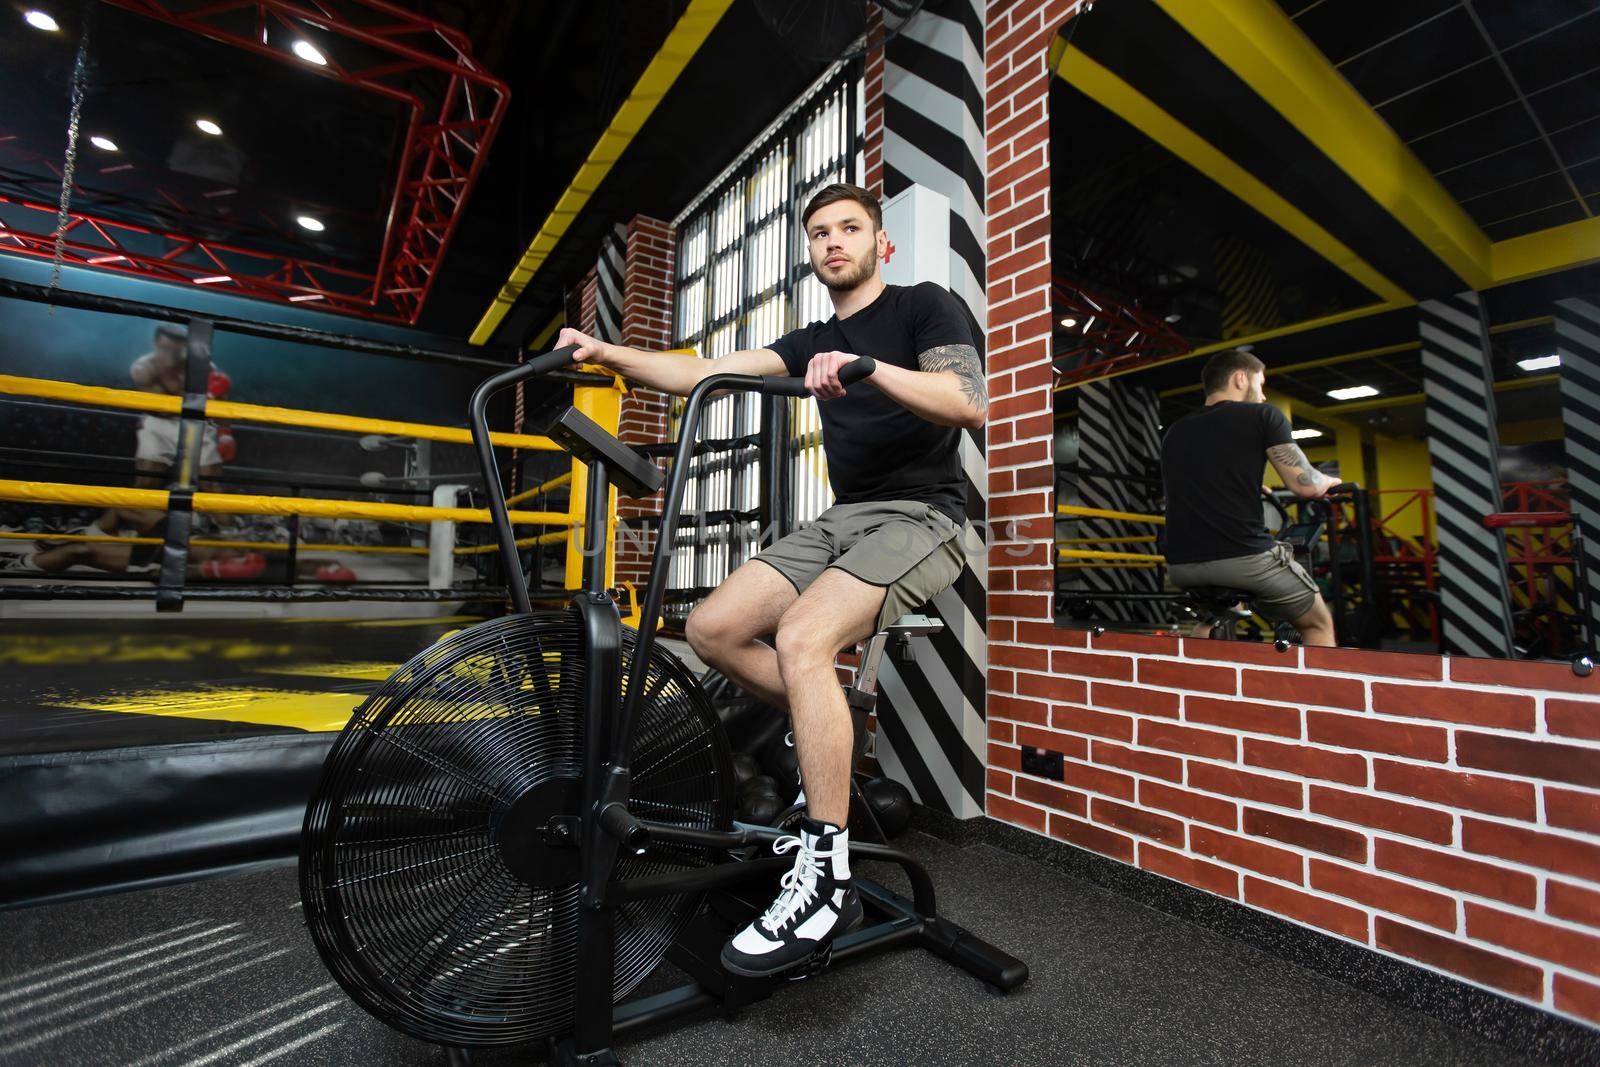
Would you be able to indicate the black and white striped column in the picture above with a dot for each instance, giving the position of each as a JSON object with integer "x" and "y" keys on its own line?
{"x": 1578, "y": 344}
{"x": 932, "y": 734}
{"x": 1463, "y": 446}
{"x": 1118, "y": 433}
{"x": 608, "y": 285}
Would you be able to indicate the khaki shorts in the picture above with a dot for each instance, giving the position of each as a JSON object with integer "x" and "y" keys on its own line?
{"x": 911, "y": 549}
{"x": 1283, "y": 590}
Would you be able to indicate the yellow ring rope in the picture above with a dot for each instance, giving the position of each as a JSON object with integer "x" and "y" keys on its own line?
{"x": 280, "y": 546}
{"x": 170, "y": 405}
{"x": 1073, "y": 510}
{"x": 244, "y": 504}
{"x": 1082, "y": 553}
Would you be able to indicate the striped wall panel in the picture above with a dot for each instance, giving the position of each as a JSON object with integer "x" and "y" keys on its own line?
{"x": 1249, "y": 288}
{"x": 1118, "y": 430}
{"x": 932, "y": 733}
{"x": 1578, "y": 343}
{"x": 608, "y": 273}
{"x": 1464, "y": 452}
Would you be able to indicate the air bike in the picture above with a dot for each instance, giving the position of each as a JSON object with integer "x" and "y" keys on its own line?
{"x": 530, "y": 815}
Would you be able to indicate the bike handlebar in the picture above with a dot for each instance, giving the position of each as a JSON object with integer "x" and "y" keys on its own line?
{"x": 852, "y": 372}
{"x": 770, "y": 385}
{"x": 549, "y": 362}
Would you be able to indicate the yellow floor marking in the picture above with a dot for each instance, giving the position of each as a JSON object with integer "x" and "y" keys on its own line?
{"x": 434, "y": 620}
{"x": 266, "y": 707}
{"x": 36, "y": 649}
{"x": 371, "y": 672}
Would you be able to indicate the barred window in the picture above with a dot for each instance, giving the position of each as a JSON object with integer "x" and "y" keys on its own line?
{"x": 743, "y": 281}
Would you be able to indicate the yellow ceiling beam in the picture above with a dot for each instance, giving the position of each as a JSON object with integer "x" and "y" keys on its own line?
{"x": 1366, "y": 353}
{"x": 1547, "y": 251}
{"x": 690, "y": 32}
{"x": 1255, "y": 338}
{"x": 1408, "y": 399}
{"x": 1264, "y": 47}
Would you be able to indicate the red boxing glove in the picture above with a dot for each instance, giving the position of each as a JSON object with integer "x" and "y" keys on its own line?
{"x": 246, "y": 566}
{"x": 227, "y": 447}
{"x": 335, "y": 572}
{"x": 218, "y": 384}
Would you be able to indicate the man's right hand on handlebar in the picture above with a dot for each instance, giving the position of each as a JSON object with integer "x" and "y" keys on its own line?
{"x": 589, "y": 349}
{"x": 1328, "y": 486}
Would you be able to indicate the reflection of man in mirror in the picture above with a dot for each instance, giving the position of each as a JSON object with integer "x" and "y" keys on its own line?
{"x": 1211, "y": 464}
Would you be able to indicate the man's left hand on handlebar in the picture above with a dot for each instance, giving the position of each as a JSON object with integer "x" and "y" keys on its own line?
{"x": 822, "y": 374}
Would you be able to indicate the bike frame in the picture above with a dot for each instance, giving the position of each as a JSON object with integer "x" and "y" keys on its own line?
{"x": 606, "y": 824}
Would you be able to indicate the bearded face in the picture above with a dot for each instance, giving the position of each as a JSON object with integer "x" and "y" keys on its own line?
{"x": 844, "y": 245}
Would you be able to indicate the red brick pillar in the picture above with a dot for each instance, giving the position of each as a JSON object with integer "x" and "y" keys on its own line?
{"x": 872, "y": 103}
{"x": 588, "y": 302}
{"x": 647, "y": 302}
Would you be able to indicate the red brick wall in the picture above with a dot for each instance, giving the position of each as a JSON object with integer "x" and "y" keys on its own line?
{"x": 646, "y": 323}
{"x": 872, "y": 104}
{"x": 1443, "y": 811}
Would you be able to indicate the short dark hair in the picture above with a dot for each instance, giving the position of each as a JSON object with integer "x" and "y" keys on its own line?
{"x": 838, "y": 191}
{"x": 1220, "y": 367}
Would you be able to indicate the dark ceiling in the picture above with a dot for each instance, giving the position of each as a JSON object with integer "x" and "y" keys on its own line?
{"x": 1500, "y": 99}
{"x": 294, "y": 142}
{"x": 1135, "y": 221}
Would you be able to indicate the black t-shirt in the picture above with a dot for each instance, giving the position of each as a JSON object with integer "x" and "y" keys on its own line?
{"x": 1211, "y": 462}
{"x": 878, "y": 450}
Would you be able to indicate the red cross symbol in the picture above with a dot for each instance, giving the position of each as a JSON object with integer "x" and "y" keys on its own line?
{"x": 889, "y": 251}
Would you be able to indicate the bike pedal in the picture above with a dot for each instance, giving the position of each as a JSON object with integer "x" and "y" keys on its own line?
{"x": 816, "y": 962}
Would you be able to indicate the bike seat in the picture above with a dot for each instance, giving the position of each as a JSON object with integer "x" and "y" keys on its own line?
{"x": 909, "y": 626}
{"x": 1221, "y": 598}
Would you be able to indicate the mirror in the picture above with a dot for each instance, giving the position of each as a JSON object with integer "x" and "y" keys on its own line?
{"x": 1402, "y": 251}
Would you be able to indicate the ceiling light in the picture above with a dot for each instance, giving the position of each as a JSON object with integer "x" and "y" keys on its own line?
{"x": 309, "y": 223}
{"x": 1301, "y": 435}
{"x": 1353, "y": 392}
{"x": 41, "y": 21}
{"x": 101, "y": 260}
{"x": 104, "y": 143}
{"x": 207, "y": 126}
{"x": 303, "y": 297}
{"x": 1174, "y": 317}
{"x": 308, "y": 52}
{"x": 213, "y": 279}
{"x": 1540, "y": 362}
{"x": 1069, "y": 323}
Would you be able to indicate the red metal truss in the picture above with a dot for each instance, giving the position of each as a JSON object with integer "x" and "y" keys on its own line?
{"x": 106, "y": 244}
{"x": 455, "y": 109}
{"x": 1109, "y": 335}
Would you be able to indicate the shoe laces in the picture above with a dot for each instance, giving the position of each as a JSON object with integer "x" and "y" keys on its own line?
{"x": 799, "y": 885}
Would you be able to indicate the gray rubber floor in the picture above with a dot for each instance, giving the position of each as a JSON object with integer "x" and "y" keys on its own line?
{"x": 222, "y": 972}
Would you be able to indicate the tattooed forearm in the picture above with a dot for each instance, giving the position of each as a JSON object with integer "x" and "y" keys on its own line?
{"x": 1291, "y": 457}
{"x": 963, "y": 361}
